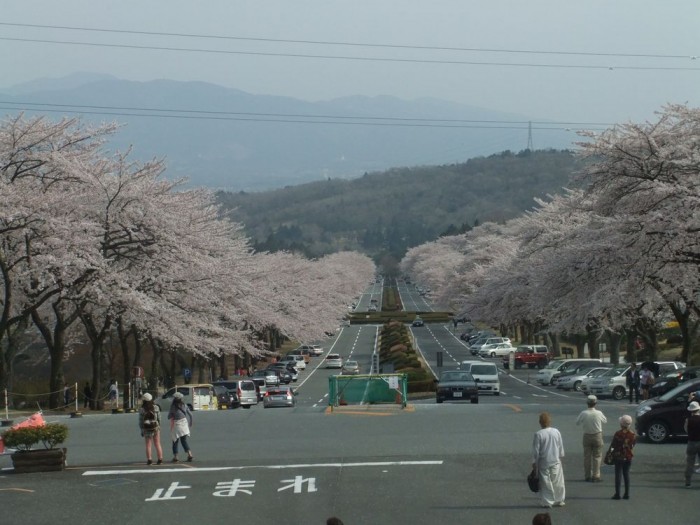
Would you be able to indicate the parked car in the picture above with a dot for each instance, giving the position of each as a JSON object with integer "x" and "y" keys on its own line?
{"x": 225, "y": 398}
{"x": 529, "y": 355}
{"x": 279, "y": 397}
{"x": 296, "y": 360}
{"x": 244, "y": 388}
{"x": 303, "y": 350}
{"x": 468, "y": 331}
{"x": 496, "y": 350}
{"x": 663, "y": 417}
{"x": 333, "y": 361}
{"x": 578, "y": 369}
{"x": 456, "y": 385}
{"x": 350, "y": 368}
{"x": 614, "y": 383}
{"x": 544, "y": 375}
{"x": 287, "y": 367}
{"x": 260, "y": 386}
{"x": 671, "y": 380}
{"x": 316, "y": 350}
{"x": 575, "y": 380}
{"x": 475, "y": 348}
{"x": 196, "y": 396}
{"x": 270, "y": 377}
{"x": 284, "y": 376}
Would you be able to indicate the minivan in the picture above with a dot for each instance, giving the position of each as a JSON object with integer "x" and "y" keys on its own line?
{"x": 485, "y": 374}
{"x": 244, "y": 388}
{"x": 662, "y": 417}
{"x": 197, "y": 397}
{"x": 545, "y": 375}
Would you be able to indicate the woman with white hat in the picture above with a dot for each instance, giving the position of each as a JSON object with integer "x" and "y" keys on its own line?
{"x": 180, "y": 422}
{"x": 149, "y": 423}
{"x": 621, "y": 447}
{"x": 692, "y": 428}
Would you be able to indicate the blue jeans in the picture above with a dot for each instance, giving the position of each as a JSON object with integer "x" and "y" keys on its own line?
{"x": 692, "y": 451}
{"x": 185, "y": 445}
{"x": 622, "y": 470}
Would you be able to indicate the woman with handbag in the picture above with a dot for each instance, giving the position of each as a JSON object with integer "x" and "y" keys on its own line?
{"x": 621, "y": 451}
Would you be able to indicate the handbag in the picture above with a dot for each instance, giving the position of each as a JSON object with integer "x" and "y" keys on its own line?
{"x": 608, "y": 459}
{"x": 533, "y": 481}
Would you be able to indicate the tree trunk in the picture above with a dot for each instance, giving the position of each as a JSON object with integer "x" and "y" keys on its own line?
{"x": 682, "y": 315}
{"x": 56, "y": 343}
{"x": 592, "y": 337}
{"x": 615, "y": 343}
{"x": 97, "y": 338}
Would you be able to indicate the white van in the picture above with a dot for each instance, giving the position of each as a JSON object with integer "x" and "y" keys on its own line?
{"x": 485, "y": 374}
{"x": 197, "y": 397}
{"x": 545, "y": 375}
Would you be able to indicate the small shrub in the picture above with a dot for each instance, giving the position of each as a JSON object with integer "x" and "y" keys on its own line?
{"x": 25, "y": 438}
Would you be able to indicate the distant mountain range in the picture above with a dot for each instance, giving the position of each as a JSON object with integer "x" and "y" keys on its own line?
{"x": 231, "y": 140}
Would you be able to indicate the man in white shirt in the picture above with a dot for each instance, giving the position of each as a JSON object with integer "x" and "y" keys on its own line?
{"x": 592, "y": 421}
{"x": 547, "y": 451}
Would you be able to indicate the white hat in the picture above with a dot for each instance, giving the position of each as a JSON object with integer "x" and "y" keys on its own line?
{"x": 626, "y": 421}
{"x": 694, "y": 406}
{"x": 147, "y": 397}
{"x": 592, "y": 399}
{"x": 178, "y": 395}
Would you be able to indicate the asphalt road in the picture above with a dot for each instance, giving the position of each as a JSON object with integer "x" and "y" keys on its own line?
{"x": 448, "y": 463}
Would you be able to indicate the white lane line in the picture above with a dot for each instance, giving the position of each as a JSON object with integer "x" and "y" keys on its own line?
{"x": 156, "y": 470}
{"x": 548, "y": 392}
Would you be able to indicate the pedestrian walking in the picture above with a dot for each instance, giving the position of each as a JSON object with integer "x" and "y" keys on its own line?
{"x": 632, "y": 382}
{"x": 149, "y": 423}
{"x": 87, "y": 394}
{"x": 66, "y": 394}
{"x": 180, "y": 423}
{"x": 621, "y": 447}
{"x": 113, "y": 394}
{"x": 592, "y": 420}
{"x": 692, "y": 451}
{"x": 547, "y": 452}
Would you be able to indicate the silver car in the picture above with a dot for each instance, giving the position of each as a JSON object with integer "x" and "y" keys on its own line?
{"x": 574, "y": 382}
{"x": 279, "y": 397}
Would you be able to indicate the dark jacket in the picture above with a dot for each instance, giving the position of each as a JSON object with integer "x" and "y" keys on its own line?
{"x": 632, "y": 377}
{"x": 622, "y": 444}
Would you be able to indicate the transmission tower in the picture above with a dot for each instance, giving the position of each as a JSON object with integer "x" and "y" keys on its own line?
{"x": 529, "y": 135}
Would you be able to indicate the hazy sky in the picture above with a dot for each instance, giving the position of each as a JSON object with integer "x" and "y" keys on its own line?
{"x": 565, "y": 49}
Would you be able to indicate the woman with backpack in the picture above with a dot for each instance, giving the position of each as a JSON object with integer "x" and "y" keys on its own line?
{"x": 180, "y": 422}
{"x": 149, "y": 423}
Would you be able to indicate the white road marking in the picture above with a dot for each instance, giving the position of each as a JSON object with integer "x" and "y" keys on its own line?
{"x": 152, "y": 470}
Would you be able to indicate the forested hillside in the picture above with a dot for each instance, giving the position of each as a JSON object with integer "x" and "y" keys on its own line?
{"x": 385, "y": 213}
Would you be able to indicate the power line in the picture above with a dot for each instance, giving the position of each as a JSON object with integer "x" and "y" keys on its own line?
{"x": 302, "y": 115}
{"x": 347, "y": 57}
{"x": 293, "y": 118}
{"x": 351, "y": 44}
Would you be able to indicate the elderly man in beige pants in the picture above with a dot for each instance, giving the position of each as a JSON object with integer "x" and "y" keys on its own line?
{"x": 592, "y": 421}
